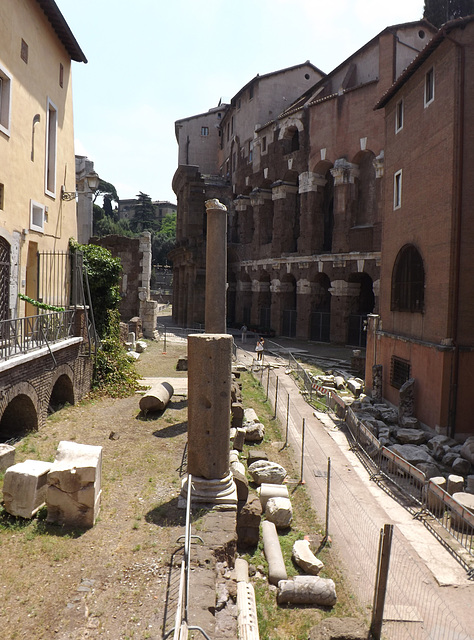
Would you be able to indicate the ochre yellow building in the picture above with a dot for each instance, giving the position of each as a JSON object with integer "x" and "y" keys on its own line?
{"x": 36, "y": 144}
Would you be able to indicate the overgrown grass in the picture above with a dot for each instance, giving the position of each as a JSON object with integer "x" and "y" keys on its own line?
{"x": 290, "y": 622}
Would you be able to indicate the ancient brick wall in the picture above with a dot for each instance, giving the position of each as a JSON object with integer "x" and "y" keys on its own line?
{"x": 35, "y": 380}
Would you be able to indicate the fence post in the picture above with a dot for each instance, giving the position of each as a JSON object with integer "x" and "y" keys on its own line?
{"x": 303, "y": 430}
{"x": 268, "y": 382}
{"x": 328, "y": 495}
{"x": 385, "y": 544}
{"x": 276, "y": 398}
{"x": 287, "y": 419}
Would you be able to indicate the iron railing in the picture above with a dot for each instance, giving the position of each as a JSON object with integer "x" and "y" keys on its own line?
{"x": 22, "y": 335}
{"x": 181, "y": 625}
{"x": 424, "y": 496}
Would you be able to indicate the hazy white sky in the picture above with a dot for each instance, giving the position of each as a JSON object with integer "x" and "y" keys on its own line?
{"x": 152, "y": 62}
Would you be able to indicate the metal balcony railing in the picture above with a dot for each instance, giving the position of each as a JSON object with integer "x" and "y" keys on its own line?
{"x": 22, "y": 335}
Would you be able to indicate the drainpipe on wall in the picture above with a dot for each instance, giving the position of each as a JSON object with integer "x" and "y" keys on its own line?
{"x": 456, "y": 241}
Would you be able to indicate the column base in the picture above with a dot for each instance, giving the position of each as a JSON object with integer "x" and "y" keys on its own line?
{"x": 219, "y": 493}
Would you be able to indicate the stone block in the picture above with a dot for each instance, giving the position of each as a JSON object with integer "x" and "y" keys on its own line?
{"x": 305, "y": 558}
{"x": 239, "y": 439}
{"x": 24, "y": 487}
{"x": 74, "y": 485}
{"x": 455, "y": 484}
{"x": 266, "y": 471}
{"x": 237, "y": 410}
{"x": 254, "y": 432}
{"x": 254, "y": 455}
{"x": 182, "y": 364}
{"x": 279, "y": 511}
{"x": 7, "y": 456}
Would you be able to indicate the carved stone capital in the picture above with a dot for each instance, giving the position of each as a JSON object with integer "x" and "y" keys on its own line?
{"x": 379, "y": 165}
{"x": 344, "y": 172}
{"x": 341, "y": 288}
{"x": 244, "y": 286}
{"x": 260, "y": 196}
{"x": 303, "y": 286}
{"x": 214, "y": 205}
{"x": 309, "y": 181}
{"x": 281, "y": 189}
{"x": 241, "y": 203}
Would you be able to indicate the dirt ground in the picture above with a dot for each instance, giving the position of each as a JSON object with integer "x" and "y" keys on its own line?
{"x": 109, "y": 581}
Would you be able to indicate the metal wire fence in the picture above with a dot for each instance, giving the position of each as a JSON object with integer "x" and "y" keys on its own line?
{"x": 414, "y": 608}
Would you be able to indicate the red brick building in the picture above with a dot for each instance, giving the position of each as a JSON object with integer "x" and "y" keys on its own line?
{"x": 302, "y": 186}
{"x": 425, "y": 329}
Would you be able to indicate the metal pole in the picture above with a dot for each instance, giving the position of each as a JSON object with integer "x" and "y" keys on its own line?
{"x": 164, "y": 342}
{"x": 302, "y": 450}
{"x": 268, "y": 382}
{"x": 328, "y": 495}
{"x": 287, "y": 418}
{"x": 276, "y": 398}
{"x": 385, "y": 544}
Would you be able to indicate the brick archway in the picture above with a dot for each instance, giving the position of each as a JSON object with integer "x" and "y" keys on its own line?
{"x": 20, "y": 415}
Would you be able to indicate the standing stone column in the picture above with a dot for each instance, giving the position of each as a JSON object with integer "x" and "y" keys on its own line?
{"x": 216, "y": 267}
{"x": 209, "y": 381}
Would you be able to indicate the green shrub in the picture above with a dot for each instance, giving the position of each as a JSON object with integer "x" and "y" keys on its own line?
{"x": 115, "y": 374}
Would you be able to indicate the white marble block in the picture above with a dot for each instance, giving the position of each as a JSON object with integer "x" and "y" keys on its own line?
{"x": 74, "y": 485}
{"x": 7, "y": 456}
{"x": 24, "y": 487}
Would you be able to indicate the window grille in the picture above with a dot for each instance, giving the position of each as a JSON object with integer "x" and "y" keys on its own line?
{"x": 399, "y": 372}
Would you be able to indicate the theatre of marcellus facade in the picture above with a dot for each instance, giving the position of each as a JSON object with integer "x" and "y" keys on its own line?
{"x": 348, "y": 221}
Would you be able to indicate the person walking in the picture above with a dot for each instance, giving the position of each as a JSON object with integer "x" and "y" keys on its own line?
{"x": 259, "y": 349}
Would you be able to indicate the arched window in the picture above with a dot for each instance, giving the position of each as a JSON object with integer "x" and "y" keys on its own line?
{"x": 408, "y": 281}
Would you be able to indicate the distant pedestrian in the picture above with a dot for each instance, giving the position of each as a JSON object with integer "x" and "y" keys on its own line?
{"x": 244, "y": 332}
{"x": 259, "y": 349}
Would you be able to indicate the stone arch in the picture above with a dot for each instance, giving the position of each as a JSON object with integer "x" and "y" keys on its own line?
{"x": 20, "y": 415}
{"x": 289, "y": 135}
{"x": 62, "y": 389}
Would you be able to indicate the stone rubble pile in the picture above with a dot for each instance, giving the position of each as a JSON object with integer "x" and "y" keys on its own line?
{"x": 400, "y": 431}
{"x": 434, "y": 454}
{"x": 271, "y": 511}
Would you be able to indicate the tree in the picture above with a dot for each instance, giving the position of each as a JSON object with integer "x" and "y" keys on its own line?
{"x": 144, "y": 218}
{"x": 164, "y": 240}
{"x": 440, "y": 11}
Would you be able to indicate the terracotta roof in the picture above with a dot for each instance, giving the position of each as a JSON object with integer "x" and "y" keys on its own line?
{"x": 61, "y": 27}
{"x": 424, "y": 54}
